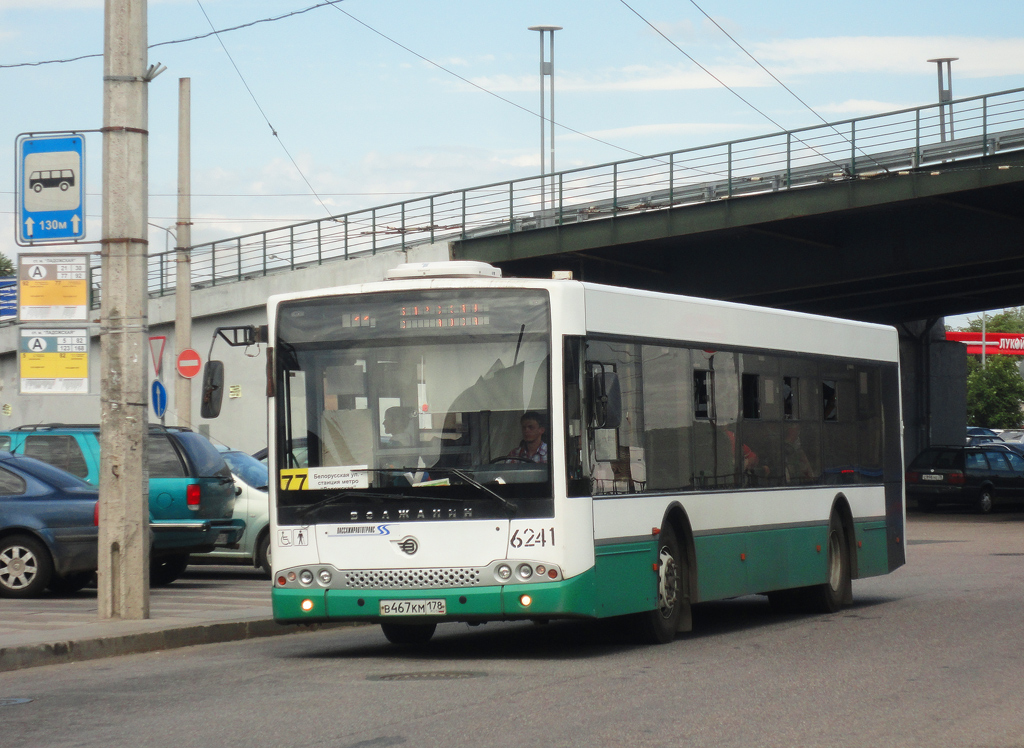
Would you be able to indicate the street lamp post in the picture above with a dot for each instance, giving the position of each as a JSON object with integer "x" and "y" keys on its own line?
{"x": 547, "y": 68}
{"x": 945, "y": 94}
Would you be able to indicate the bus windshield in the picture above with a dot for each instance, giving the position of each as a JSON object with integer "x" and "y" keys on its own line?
{"x": 436, "y": 399}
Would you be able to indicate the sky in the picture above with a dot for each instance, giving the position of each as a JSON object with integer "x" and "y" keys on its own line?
{"x": 376, "y": 101}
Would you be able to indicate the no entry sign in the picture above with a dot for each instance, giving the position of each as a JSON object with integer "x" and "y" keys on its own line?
{"x": 188, "y": 363}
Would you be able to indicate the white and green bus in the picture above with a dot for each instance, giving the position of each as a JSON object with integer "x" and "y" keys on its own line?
{"x": 689, "y": 450}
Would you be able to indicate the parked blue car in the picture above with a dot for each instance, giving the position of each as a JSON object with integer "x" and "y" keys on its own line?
{"x": 48, "y": 528}
{"x": 191, "y": 492}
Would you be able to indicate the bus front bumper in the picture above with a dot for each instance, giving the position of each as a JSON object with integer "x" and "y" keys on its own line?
{"x": 569, "y": 598}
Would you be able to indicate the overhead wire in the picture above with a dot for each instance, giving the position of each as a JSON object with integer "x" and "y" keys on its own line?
{"x": 776, "y": 79}
{"x": 273, "y": 130}
{"x": 178, "y": 41}
{"x": 477, "y": 85}
{"x": 725, "y": 85}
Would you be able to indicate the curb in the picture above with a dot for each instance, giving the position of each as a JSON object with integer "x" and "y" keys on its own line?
{"x": 55, "y": 653}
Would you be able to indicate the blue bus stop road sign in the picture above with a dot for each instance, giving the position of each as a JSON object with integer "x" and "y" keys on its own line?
{"x": 159, "y": 398}
{"x": 51, "y": 189}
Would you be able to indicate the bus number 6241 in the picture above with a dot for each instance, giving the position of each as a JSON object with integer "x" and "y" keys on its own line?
{"x": 532, "y": 538}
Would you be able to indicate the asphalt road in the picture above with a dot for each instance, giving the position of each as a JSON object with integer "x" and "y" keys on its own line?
{"x": 929, "y": 656}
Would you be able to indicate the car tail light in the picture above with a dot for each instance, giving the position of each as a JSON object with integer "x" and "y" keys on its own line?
{"x": 956, "y": 478}
{"x": 192, "y": 495}
{"x": 913, "y": 476}
{"x": 96, "y": 514}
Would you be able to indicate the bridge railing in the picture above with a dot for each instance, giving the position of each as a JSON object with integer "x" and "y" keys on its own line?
{"x": 797, "y": 159}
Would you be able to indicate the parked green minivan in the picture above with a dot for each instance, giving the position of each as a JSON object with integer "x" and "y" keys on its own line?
{"x": 191, "y": 491}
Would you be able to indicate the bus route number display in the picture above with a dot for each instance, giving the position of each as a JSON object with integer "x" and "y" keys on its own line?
{"x": 438, "y": 316}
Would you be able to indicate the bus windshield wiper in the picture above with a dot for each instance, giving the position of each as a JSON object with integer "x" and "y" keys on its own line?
{"x": 459, "y": 473}
{"x": 335, "y": 498}
{"x": 359, "y": 493}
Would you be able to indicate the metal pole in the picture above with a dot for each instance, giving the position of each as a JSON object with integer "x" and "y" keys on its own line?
{"x": 123, "y": 573}
{"x": 551, "y": 109}
{"x": 945, "y": 94}
{"x": 183, "y": 277}
{"x": 547, "y": 68}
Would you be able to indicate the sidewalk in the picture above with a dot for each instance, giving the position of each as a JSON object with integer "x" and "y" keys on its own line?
{"x": 208, "y": 604}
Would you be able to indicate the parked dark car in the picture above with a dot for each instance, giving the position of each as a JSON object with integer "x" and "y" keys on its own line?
{"x": 980, "y": 476}
{"x": 977, "y": 441}
{"x": 191, "y": 492}
{"x": 48, "y": 528}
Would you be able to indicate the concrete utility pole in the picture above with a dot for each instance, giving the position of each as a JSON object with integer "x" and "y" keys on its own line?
{"x": 183, "y": 276}
{"x": 124, "y": 485}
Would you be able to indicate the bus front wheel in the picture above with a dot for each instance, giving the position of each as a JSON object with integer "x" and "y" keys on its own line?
{"x": 408, "y": 633}
{"x": 828, "y": 597}
{"x": 659, "y": 626}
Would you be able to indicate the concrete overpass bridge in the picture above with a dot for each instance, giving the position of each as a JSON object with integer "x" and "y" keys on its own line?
{"x": 889, "y": 218}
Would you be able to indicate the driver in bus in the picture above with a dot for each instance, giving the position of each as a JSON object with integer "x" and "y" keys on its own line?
{"x": 399, "y": 425}
{"x": 532, "y": 448}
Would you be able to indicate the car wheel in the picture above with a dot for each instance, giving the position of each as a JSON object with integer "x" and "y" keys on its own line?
{"x": 408, "y": 633}
{"x": 25, "y": 567}
{"x": 262, "y": 560}
{"x": 659, "y": 626}
{"x": 165, "y": 570}
{"x": 70, "y": 582}
{"x": 985, "y": 501}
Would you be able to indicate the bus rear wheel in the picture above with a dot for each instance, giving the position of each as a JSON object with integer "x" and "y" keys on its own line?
{"x": 659, "y": 626}
{"x": 408, "y": 633}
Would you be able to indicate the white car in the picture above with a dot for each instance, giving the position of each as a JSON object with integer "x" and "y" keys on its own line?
{"x": 251, "y": 505}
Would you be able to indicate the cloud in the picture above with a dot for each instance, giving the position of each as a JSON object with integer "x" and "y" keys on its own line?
{"x": 979, "y": 57}
{"x": 791, "y": 58}
{"x": 658, "y": 130}
{"x": 637, "y": 78}
{"x": 861, "y": 106}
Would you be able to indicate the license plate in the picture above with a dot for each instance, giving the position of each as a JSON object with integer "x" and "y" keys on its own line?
{"x": 931, "y": 477}
{"x": 412, "y": 607}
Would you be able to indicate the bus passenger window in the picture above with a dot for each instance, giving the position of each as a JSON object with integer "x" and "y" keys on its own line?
{"x": 702, "y": 394}
{"x": 830, "y": 406}
{"x": 790, "y": 401}
{"x": 751, "y": 396}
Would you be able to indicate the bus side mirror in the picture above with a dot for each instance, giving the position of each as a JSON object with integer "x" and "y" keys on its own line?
{"x": 213, "y": 389}
{"x": 605, "y": 398}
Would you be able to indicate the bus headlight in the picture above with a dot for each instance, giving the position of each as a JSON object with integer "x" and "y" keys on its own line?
{"x": 525, "y": 571}
{"x": 504, "y": 571}
{"x": 306, "y": 577}
{"x": 325, "y": 577}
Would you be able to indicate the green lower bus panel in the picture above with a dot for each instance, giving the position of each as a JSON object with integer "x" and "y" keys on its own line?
{"x": 734, "y": 564}
{"x": 570, "y": 598}
{"x": 627, "y": 581}
{"x": 872, "y": 549}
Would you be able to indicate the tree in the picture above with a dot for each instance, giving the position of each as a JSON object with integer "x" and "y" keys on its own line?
{"x": 6, "y": 266}
{"x": 995, "y": 394}
{"x": 1008, "y": 320}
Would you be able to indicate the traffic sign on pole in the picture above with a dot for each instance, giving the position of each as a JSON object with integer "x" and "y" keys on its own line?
{"x": 189, "y": 363}
{"x": 159, "y": 398}
{"x": 157, "y": 343}
{"x": 51, "y": 189}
